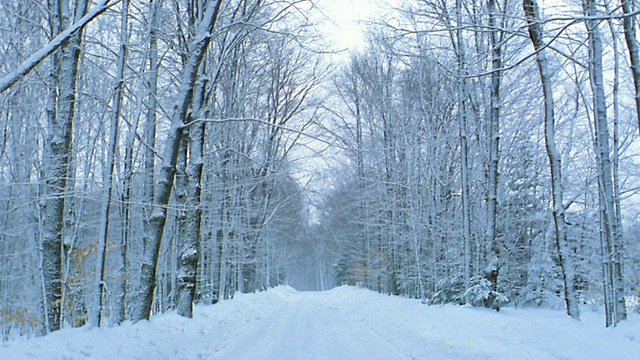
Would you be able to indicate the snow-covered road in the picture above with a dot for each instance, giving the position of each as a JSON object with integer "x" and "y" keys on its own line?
{"x": 343, "y": 323}
{"x": 351, "y": 323}
{"x": 309, "y": 326}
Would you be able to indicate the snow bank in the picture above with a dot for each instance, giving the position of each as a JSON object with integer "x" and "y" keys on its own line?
{"x": 415, "y": 331}
{"x": 466, "y": 332}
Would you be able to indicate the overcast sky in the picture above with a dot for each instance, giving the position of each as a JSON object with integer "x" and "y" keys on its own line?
{"x": 345, "y": 20}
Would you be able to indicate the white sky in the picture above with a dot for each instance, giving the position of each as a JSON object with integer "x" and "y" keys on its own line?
{"x": 345, "y": 25}
{"x": 342, "y": 23}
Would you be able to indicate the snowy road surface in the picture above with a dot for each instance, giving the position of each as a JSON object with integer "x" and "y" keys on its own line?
{"x": 352, "y": 323}
{"x": 344, "y": 323}
{"x": 310, "y": 326}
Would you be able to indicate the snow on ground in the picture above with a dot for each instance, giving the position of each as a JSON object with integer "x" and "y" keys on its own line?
{"x": 343, "y": 323}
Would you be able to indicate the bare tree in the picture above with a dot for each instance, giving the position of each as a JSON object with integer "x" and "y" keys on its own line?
{"x": 64, "y": 72}
{"x": 536, "y": 33}
{"x": 192, "y": 156}
{"x": 459, "y": 43}
{"x": 492, "y": 269}
{"x": 98, "y": 317}
{"x": 155, "y": 227}
{"x": 614, "y": 285}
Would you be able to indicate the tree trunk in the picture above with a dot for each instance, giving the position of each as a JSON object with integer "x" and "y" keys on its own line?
{"x": 189, "y": 254}
{"x": 492, "y": 269}
{"x": 164, "y": 183}
{"x": 629, "y": 24}
{"x": 180, "y": 240}
{"x": 148, "y": 91}
{"x": 98, "y": 316}
{"x": 536, "y": 34}
{"x": 464, "y": 147}
{"x": 605, "y": 174}
{"x": 57, "y": 157}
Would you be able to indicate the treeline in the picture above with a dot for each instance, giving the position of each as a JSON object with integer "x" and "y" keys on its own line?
{"x": 492, "y": 156}
{"x": 145, "y": 163}
{"x": 488, "y": 153}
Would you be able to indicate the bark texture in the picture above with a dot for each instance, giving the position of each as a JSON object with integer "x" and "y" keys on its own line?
{"x": 58, "y": 155}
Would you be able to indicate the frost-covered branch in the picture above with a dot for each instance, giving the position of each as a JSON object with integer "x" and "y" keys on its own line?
{"x": 36, "y": 58}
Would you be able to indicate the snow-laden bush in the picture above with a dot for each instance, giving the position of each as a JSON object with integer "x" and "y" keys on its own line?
{"x": 481, "y": 294}
{"x": 449, "y": 290}
{"x": 536, "y": 296}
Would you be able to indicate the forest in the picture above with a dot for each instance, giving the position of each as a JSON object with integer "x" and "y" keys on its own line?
{"x": 163, "y": 153}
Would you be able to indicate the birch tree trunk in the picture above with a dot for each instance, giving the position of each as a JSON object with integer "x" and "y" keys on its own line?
{"x": 610, "y": 230}
{"x": 164, "y": 183}
{"x": 536, "y": 34}
{"x": 152, "y": 105}
{"x": 617, "y": 197}
{"x": 464, "y": 147}
{"x": 493, "y": 266}
{"x": 58, "y": 154}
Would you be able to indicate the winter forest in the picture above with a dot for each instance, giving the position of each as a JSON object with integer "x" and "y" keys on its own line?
{"x": 163, "y": 153}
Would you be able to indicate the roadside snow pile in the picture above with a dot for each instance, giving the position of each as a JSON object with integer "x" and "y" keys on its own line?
{"x": 465, "y": 332}
{"x": 413, "y": 330}
{"x": 166, "y": 336}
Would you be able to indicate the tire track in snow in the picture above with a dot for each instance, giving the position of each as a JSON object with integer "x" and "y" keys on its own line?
{"x": 307, "y": 326}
